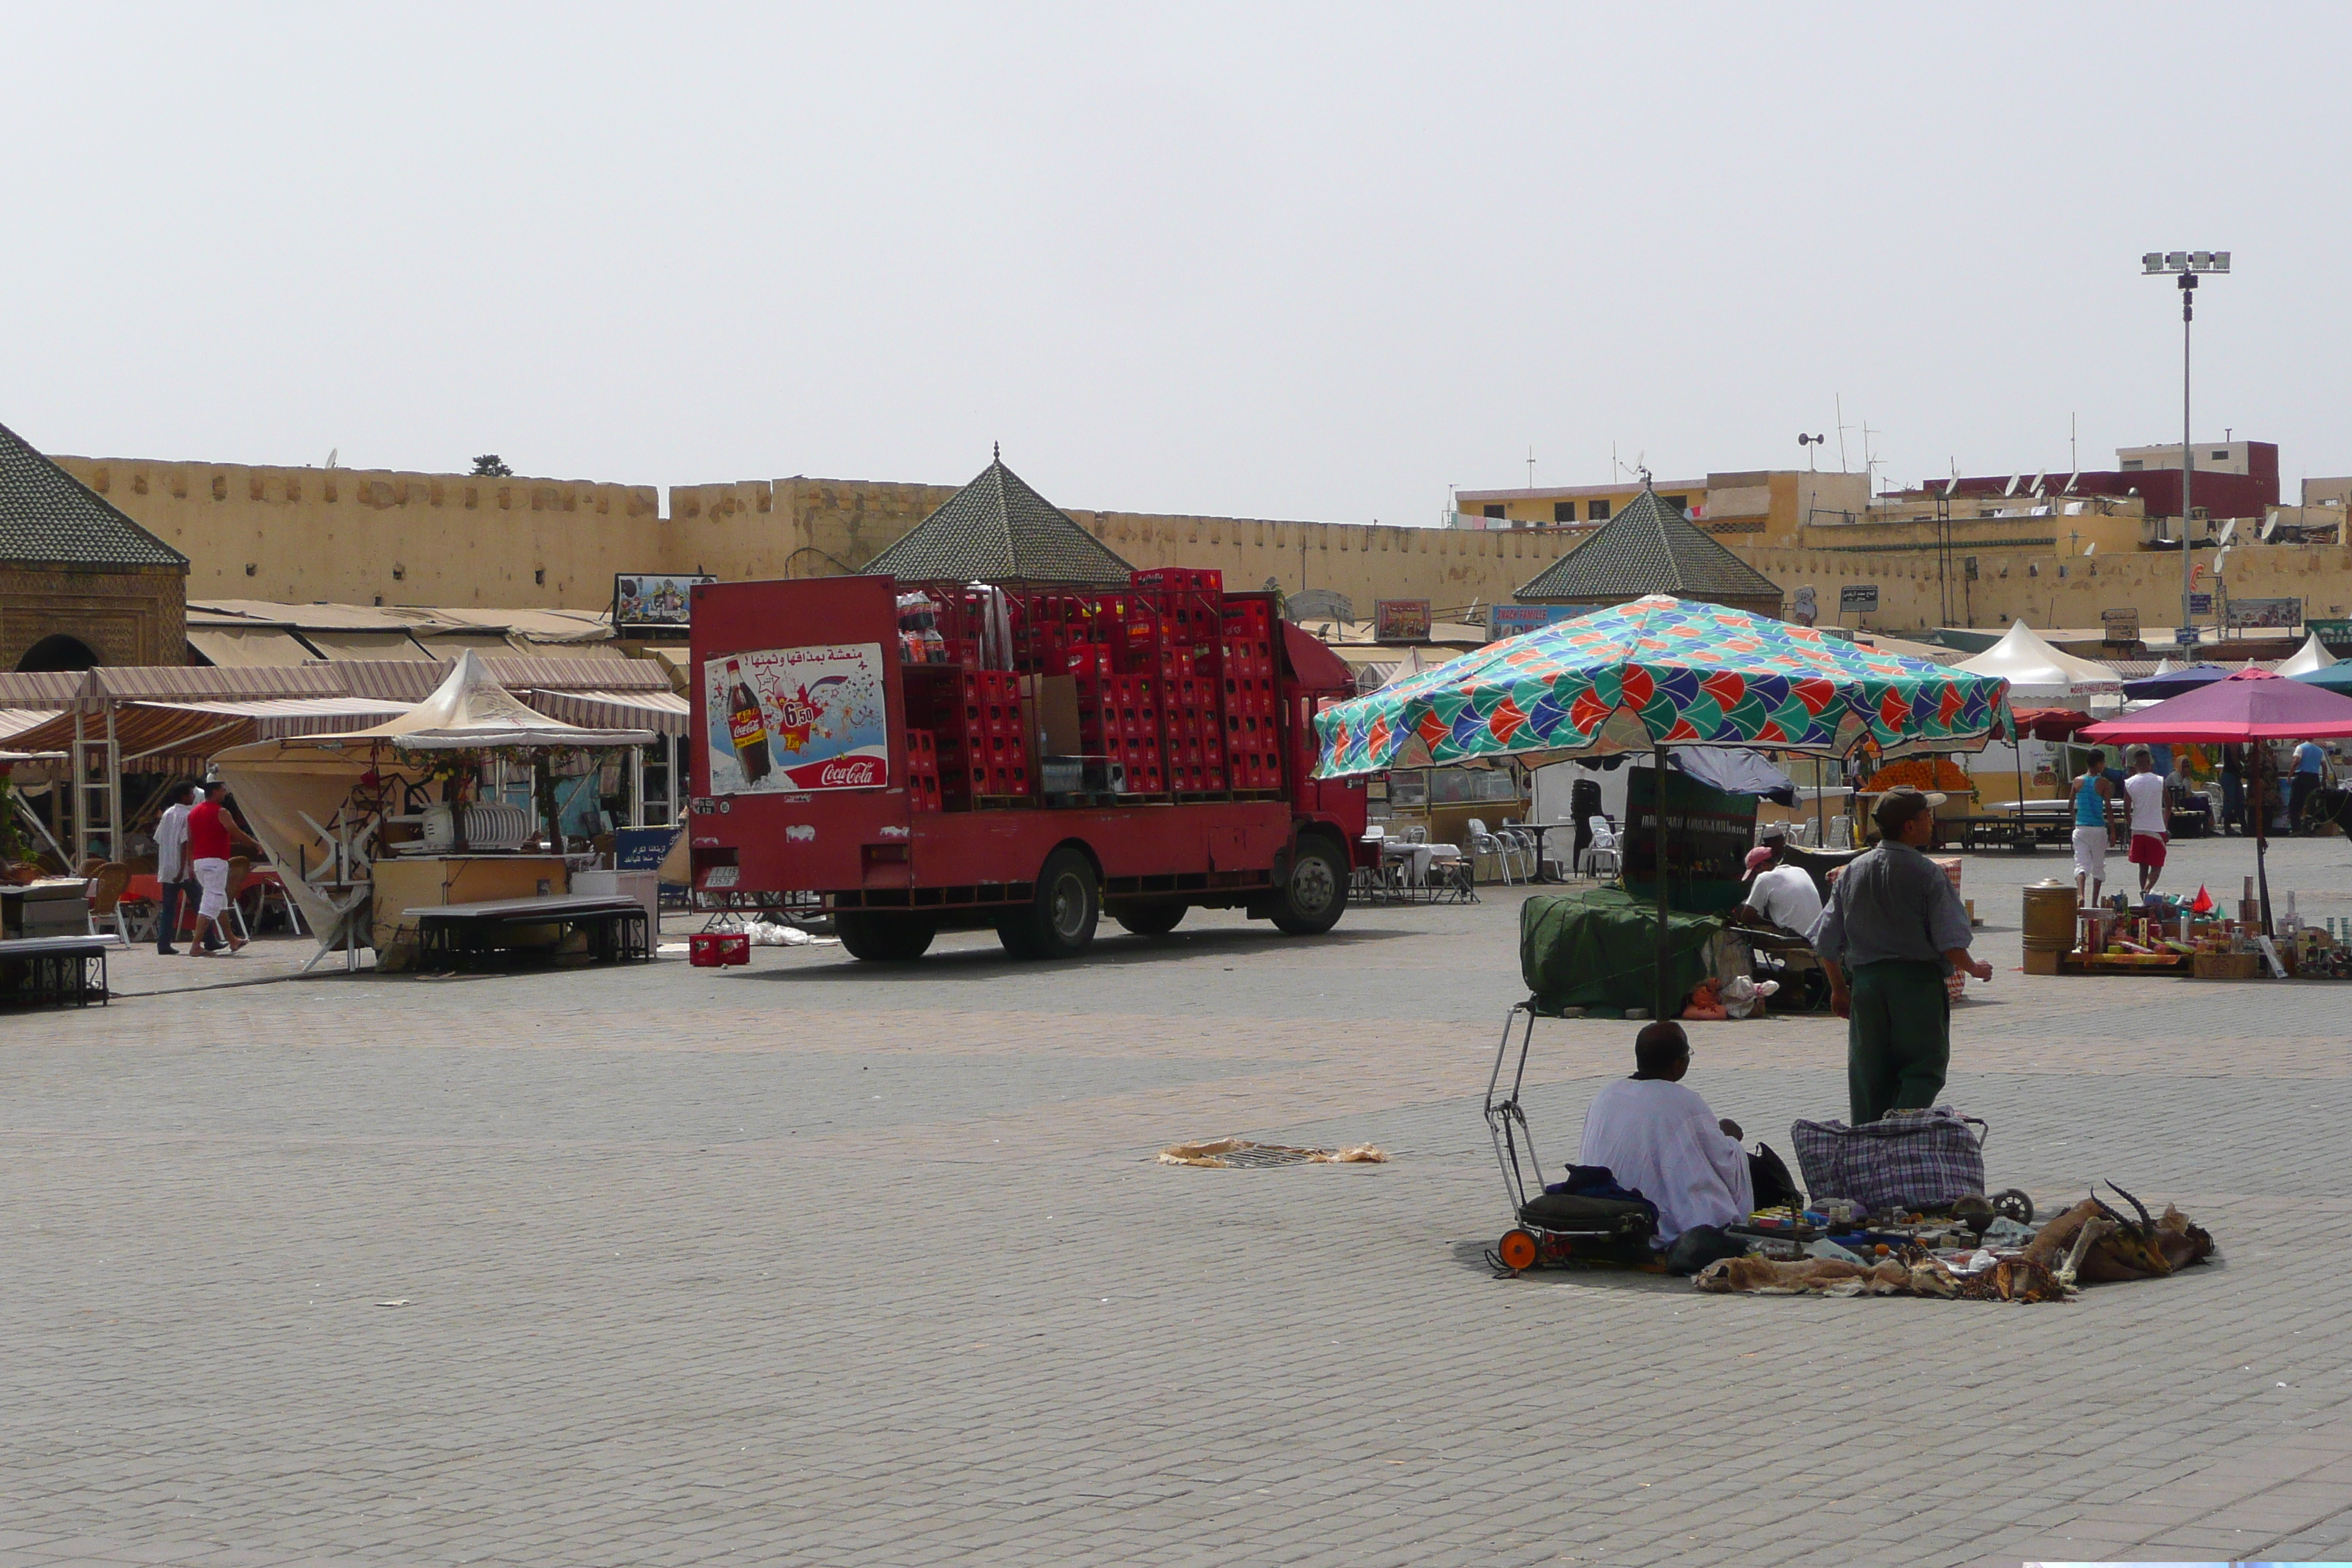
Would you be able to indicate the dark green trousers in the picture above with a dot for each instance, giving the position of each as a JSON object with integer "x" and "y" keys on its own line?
{"x": 1898, "y": 1041}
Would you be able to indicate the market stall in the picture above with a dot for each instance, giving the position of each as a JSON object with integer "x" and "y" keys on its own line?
{"x": 456, "y": 801}
{"x": 1656, "y": 675}
{"x": 2039, "y": 675}
{"x": 2247, "y": 709}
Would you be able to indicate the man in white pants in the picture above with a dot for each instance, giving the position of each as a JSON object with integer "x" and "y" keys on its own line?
{"x": 2091, "y": 794}
{"x": 211, "y": 838}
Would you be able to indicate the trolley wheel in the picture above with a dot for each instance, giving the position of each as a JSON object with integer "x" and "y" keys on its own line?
{"x": 1516, "y": 1250}
{"x": 2013, "y": 1204}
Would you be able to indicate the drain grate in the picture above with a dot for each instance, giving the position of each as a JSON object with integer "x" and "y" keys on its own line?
{"x": 1254, "y": 1156}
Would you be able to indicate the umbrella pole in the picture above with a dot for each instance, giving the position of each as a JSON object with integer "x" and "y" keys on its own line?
{"x": 2262, "y": 804}
{"x": 1662, "y": 1003}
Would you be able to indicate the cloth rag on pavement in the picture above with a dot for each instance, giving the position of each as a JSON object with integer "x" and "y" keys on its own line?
{"x": 1230, "y": 1153}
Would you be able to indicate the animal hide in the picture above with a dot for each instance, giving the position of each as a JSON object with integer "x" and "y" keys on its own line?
{"x": 2181, "y": 1243}
{"x": 2013, "y": 1279}
{"x": 1809, "y": 1276}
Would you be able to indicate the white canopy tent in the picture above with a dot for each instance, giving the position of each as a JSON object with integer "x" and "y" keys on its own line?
{"x": 2313, "y": 655}
{"x": 2035, "y": 670}
{"x": 316, "y": 802}
{"x": 2037, "y": 673}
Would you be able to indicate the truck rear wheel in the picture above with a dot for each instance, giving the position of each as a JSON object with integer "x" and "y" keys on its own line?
{"x": 1060, "y": 921}
{"x": 884, "y": 939}
{"x": 1316, "y": 891}
{"x": 1157, "y": 918}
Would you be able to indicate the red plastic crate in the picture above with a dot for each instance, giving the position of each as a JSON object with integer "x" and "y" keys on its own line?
{"x": 718, "y": 949}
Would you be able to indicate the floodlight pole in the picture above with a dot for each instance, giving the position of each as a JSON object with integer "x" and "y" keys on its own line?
{"x": 2187, "y": 453}
{"x": 2187, "y": 264}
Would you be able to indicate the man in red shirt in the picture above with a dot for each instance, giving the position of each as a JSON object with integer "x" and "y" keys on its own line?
{"x": 211, "y": 836}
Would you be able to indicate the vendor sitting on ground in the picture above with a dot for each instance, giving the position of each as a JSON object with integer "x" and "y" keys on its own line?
{"x": 1777, "y": 894}
{"x": 1661, "y": 1140}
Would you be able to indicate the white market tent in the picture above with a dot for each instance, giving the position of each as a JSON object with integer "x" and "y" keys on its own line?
{"x": 2311, "y": 656}
{"x": 2035, "y": 670}
{"x": 317, "y": 801}
{"x": 2036, "y": 673}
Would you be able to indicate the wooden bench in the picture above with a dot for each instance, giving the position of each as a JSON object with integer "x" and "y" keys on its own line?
{"x": 54, "y": 971}
{"x": 452, "y": 935}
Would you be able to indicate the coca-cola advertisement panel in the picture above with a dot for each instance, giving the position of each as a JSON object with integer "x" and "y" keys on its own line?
{"x": 790, "y": 719}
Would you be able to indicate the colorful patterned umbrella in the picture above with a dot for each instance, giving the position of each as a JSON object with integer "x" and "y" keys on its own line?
{"x": 1662, "y": 671}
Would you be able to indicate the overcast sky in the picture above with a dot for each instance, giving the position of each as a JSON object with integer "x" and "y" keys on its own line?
{"x": 1264, "y": 260}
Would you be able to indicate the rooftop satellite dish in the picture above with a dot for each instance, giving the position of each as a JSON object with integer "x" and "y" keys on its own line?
{"x": 2072, "y": 480}
{"x": 2014, "y": 481}
{"x": 332, "y": 453}
{"x": 2092, "y": 548}
{"x": 2036, "y": 488}
{"x": 1952, "y": 488}
{"x": 2229, "y": 532}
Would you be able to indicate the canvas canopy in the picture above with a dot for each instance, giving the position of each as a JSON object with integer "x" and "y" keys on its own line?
{"x": 2035, "y": 670}
{"x": 2312, "y": 656}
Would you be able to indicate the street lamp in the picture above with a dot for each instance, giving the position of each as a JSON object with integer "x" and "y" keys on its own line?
{"x": 2187, "y": 264}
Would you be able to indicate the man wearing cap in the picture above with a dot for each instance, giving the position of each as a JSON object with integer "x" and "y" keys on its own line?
{"x": 1895, "y": 928}
{"x": 1780, "y": 895}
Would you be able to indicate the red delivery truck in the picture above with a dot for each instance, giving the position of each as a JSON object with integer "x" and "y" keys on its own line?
{"x": 915, "y": 757}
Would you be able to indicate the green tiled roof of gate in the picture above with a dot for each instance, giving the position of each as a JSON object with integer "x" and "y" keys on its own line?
{"x": 997, "y": 529}
{"x": 48, "y": 516}
{"x": 1650, "y": 547}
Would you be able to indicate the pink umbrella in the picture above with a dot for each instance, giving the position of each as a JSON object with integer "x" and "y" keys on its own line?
{"x": 2251, "y": 705}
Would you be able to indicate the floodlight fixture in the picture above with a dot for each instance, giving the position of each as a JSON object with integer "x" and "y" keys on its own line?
{"x": 2184, "y": 261}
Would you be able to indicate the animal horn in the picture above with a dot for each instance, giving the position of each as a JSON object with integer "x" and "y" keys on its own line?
{"x": 2145, "y": 1218}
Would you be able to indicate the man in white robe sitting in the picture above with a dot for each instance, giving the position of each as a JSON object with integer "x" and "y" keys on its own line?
{"x": 1660, "y": 1139}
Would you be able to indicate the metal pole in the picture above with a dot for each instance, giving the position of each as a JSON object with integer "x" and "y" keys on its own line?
{"x": 1662, "y": 1003}
{"x": 2188, "y": 454}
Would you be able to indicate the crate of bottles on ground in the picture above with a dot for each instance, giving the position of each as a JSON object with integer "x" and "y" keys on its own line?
{"x": 1175, "y": 689}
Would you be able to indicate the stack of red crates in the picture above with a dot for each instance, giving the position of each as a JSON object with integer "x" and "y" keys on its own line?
{"x": 1118, "y": 719}
{"x": 1249, "y": 697}
{"x": 1187, "y": 629}
{"x": 923, "y": 792}
{"x": 981, "y": 750}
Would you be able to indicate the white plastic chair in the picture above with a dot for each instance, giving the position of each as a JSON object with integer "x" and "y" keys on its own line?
{"x": 1603, "y": 847}
{"x": 1505, "y": 853}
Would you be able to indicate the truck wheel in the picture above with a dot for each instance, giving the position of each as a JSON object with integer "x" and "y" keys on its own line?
{"x": 1060, "y": 921}
{"x": 1316, "y": 891}
{"x": 1156, "y": 918}
{"x": 883, "y": 939}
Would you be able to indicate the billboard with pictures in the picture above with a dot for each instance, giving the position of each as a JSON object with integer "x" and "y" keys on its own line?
{"x": 655, "y": 598}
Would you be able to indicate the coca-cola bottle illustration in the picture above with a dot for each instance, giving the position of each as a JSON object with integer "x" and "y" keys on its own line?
{"x": 747, "y": 725}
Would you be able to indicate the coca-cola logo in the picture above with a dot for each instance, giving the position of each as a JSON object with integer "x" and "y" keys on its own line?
{"x": 847, "y": 774}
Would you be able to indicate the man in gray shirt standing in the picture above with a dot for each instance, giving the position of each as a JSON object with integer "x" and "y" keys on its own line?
{"x": 1895, "y": 927}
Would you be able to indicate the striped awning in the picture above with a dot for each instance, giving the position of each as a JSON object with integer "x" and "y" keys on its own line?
{"x": 663, "y": 712}
{"x": 143, "y": 730}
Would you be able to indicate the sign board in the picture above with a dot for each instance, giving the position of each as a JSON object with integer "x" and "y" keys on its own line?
{"x": 2264, "y": 612}
{"x": 2119, "y": 626}
{"x": 2201, "y": 603}
{"x": 1401, "y": 620}
{"x": 2332, "y": 634}
{"x": 1708, "y": 834}
{"x": 1317, "y": 605}
{"x": 1858, "y": 599}
{"x": 1511, "y": 620}
{"x": 642, "y": 848}
{"x": 795, "y": 719}
{"x": 1805, "y": 608}
{"x": 655, "y": 598}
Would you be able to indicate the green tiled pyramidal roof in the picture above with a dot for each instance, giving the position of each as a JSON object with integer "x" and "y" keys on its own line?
{"x": 49, "y": 517}
{"x": 1650, "y": 547}
{"x": 997, "y": 529}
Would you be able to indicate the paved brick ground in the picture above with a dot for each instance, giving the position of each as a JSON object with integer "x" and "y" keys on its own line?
{"x": 809, "y": 1263}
